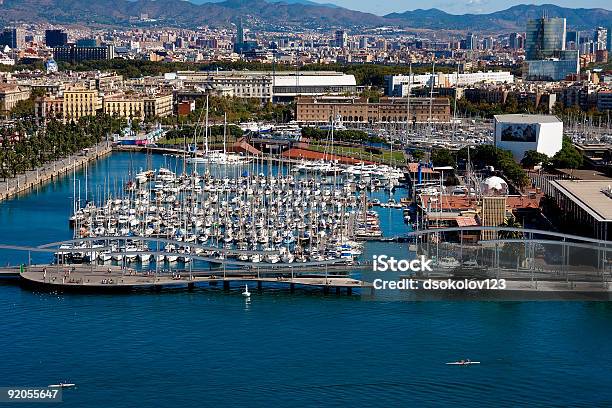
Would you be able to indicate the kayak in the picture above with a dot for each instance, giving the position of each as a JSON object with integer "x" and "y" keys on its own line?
{"x": 61, "y": 385}
{"x": 464, "y": 363}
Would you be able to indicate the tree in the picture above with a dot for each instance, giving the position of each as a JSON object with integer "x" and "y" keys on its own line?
{"x": 568, "y": 157}
{"x": 23, "y": 109}
{"x": 418, "y": 155}
{"x": 443, "y": 157}
{"x": 373, "y": 94}
{"x": 534, "y": 158}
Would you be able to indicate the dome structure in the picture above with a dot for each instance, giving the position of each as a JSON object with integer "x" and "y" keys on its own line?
{"x": 494, "y": 186}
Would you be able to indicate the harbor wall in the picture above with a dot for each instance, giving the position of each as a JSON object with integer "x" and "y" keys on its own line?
{"x": 41, "y": 175}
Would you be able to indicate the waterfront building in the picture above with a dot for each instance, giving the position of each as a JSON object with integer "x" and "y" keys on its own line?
{"x": 138, "y": 106}
{"x": 290, "y": 85}
{"x": 609, "y": 41}
{"x": 51, "y": 107}
{"x": 125, "y": 106}
{"x": 321, "y": 110}
{"x": 79, "y": 102}
{"x": 587, "y": 203}
{"x": 10, "y": 95}
{"x": 519, "y": 133}
{"x": 160, "y": 105}
{"x": 269, "y": 86}
{"x": 55, "y": 38}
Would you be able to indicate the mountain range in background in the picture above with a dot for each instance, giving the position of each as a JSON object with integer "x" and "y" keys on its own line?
{"x": 283, "y": 14}
{"x": 512, "y": 19}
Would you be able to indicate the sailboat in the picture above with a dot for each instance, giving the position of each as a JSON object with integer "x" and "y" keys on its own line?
{"x": 215, "y": 156}
{"x": 246, "y": 292}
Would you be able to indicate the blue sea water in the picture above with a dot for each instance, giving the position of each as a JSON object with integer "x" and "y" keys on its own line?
{"x": 210, "y": 348}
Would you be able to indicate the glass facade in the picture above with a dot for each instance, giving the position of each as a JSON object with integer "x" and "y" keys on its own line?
{"x": 550, "y": 70}
{"x": 544, "y": 38}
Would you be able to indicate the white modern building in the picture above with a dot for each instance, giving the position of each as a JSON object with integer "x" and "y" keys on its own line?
{"x": 270, "y": 86}
{"x": 398, "y": 85}
{"x": 289, "y": 85}
{"x": 520, "y": 133}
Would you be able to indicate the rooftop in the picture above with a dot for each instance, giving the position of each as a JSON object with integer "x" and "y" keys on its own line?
{"x": 589, "y": 196}
{"x": 522, "y": 118}
{"x": 585, "y": 174}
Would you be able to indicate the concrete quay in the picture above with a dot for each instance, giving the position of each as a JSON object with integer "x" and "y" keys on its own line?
{"x": 83, "y": 278}
{"x": 50, "y": 171}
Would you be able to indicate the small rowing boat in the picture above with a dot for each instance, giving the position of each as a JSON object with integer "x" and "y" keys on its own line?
{"x": 62, "y": 385}
{"x": 463, "y": 363}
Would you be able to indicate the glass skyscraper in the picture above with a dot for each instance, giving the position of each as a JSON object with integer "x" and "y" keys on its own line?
{"x": 545, "y": 37}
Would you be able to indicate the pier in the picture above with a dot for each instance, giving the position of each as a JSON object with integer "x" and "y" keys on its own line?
{"x": 50, "y": 171}
{"x": 87, "y": 278}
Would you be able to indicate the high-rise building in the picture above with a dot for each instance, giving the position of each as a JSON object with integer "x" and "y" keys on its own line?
{"x": 470, "y": 41}
{"x": 12, "y": 37}
{"x": 572, "y": 40}
{"x": 600, "y": 38}
{"x": 242, "y": 45}
{"x": 55, "y": 38}
{"x": 239, "y": 32}
{"x": 546, "y": 56}
{"x": 609, "y": 41}
{"x": 341, "y": 39}
{"x": 544, "y": 38}
{"x": 515, "y": 41}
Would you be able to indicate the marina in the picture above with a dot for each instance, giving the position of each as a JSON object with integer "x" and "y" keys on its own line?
{"x": 194, "y": 302}
{"x": 306, "y": 212}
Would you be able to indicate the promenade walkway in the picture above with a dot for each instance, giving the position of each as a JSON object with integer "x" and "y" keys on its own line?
{"x": 49, "y": 171}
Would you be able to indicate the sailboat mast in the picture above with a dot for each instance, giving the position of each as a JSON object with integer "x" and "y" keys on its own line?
{"x": 206, "y": 130}
{"x": 224, "y": 131}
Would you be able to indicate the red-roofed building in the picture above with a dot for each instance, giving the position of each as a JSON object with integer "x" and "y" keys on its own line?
{"x": 296, "y": 153}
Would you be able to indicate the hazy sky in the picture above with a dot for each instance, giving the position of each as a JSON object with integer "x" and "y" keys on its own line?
{"x": 455, "y": 7}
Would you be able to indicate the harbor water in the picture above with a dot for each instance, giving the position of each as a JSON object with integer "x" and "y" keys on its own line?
{"x": 211, "y": 348}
